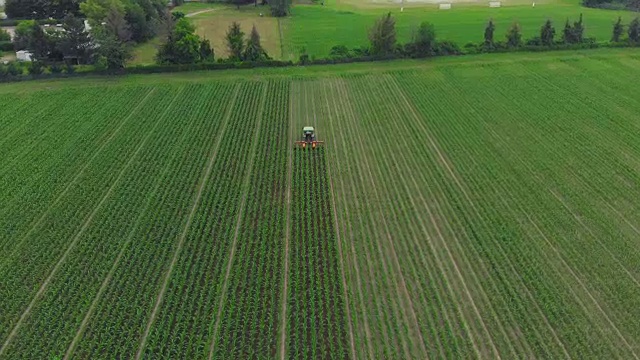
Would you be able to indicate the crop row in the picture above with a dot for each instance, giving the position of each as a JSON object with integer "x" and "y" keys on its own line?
{"x": 74, "y": 288}
{"x": 184, "y": 326}
{"x": 47, "y": 164}
{"x": 383, "y": 324}
{"x": 316, "y": 326}
{"x": 250, "y": 316}
{"x": 117, "y": 324}
{"x": 535, "y": 287}
{"x": 26, "y": 267}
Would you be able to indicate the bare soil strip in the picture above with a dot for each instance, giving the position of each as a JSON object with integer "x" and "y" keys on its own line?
{"x": 245, "y": 186}
{"x": 84, "y": 227}
{"x": 75, "y": 179}
{"x": 183, "y": 236}
{"x": 283, "y": 316}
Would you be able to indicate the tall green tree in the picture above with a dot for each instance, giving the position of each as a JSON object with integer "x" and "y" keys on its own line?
{"x": 41, "y": 9}
{"x": 514, "y": 35}
{"x": 618, "y": 30}
{"x": 254, "y": 51}
{"x": 547, "y": 33}
{"x": 567, "y": 33}
{"x": 383, "y": 35}
{"x": 488, "y": 33}
{"x": 423, "y": 41}
{"x": 22, "y": 35}
{"x": 76, "y": 44}
{"x": 206, "y": 51}
{"x": 634, "y": 30}
{"x": 111, "y": 51}
{"x": 578, "y": 30}
{"x": 117, "y": 25}
{"x": 280, "y": 8}
{"x": 183, "y": 46}
{"x": 235, "y": 42}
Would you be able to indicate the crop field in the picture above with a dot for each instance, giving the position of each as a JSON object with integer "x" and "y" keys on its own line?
{"x": 477, "y": 208}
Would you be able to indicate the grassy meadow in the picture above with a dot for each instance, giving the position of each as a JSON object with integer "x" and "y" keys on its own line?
{"x": 318, "y": 28}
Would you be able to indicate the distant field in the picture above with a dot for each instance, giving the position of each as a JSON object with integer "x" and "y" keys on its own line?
{"x": 477, "y": 207}
{"x": 319, "y": 28}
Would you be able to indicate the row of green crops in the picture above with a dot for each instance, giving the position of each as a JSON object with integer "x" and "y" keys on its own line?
{"x": 107, "y": 240}
{"x": 250, "y": 317}
{"x": 52, "y": 137}
{"x": 184, "y": 327}
{"x": 128, "y": 301}
{"x": 34, "y": 253}
{"x": 316, "y": 326}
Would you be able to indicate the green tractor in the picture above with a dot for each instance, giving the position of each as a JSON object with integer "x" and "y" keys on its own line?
{"x": 309, "y": 138}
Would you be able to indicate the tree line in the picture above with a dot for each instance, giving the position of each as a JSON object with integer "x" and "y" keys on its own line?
{"x": 105, "y": 48}
{"x": 181, "y": 45}
{"x": 423, "y": 43}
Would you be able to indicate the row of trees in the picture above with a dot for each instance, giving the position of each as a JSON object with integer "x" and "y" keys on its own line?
{"x": 633, "y": 5}
{"x": 71, "y": 44}
{"x": 41, "y": 9}
{"x": 137, "y": 20}
{"x": 183, "y": 46}
{"x": 383, "y": 40}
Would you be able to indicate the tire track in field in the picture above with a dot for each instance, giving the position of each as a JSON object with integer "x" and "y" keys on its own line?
{"x": 412, "y": 233}
{"x": 510, "y": 263}
{"x": 403, "y": 293}
{"x": 196, "y": 202}
{"x": 531, "y": 221}
{"x": 287, "y": 237}
{"x": 79, "y": 174}
{"x": 440, "y": 262}
{"x": 349, "y": 225}
{"x": 524, "y": 345}
{"x": 455, "y": 177}
{"x": 86, "y": 224}
{"x": 438, "y": 228}
{"x": 355, "y": 199}
{"x": 340, "y": 256}
{"x": 245, "y": 186}
{"x": 535, "y": 176}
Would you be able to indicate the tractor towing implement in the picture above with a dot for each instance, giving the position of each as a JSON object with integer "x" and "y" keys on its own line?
{"x": 308, "y": 138}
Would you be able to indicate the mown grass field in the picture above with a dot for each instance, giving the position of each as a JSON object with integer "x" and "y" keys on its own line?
{"x": 318, "y": 28}
{"x": 483, "y": 207}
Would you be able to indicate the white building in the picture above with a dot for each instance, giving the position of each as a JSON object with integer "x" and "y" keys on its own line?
{"x": 23, "y": 55}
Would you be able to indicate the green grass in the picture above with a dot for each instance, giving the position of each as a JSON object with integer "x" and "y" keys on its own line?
{"x": 481, "y": 206}
{"x": 319, "y": 28}
{"x": 192, "y": 7}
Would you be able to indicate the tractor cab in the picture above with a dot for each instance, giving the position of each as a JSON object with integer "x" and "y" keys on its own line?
{"x": 308, "y": 138}
{"x": 308, "y": 134}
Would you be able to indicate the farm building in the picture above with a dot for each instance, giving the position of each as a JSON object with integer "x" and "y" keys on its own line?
{"x": 23, "y": 55}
